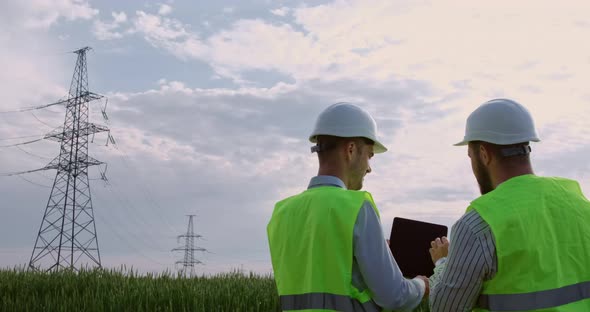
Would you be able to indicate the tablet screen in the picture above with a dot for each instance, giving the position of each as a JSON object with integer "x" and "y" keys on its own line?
{"x": 409, "y": 243}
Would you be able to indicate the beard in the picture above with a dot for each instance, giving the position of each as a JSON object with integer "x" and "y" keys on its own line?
{"x": 483, "y": 178}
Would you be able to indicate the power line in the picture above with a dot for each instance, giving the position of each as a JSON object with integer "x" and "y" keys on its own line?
{"x": 44, "y": 176}
{"x": 10, "y": 174}
{"x": 32, "y": 108}
{"x": 22, "y": 143}
{"x": 129, "y": 244}
{"x": 42, "y": 122}
{"x": 34, "y": 183}
{"x": 31, "y": 154}
{"x": 128, "y": 232}
{"x": 137, "y": 217}
{"x": 23, "y": 137}
{"x": 145, "y": 188}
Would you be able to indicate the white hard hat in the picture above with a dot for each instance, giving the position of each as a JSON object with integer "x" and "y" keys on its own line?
{"x": 501, "y": 122}
{"x": 347, "y": 121}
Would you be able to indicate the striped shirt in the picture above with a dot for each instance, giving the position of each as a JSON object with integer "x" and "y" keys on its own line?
{"x": 457, "y": 282}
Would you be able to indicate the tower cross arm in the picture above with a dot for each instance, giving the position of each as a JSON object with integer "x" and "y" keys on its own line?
{"x": 58, "y": 164}
{"x": 65, "y": 134}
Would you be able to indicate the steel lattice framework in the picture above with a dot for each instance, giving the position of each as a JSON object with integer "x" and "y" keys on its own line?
{"x": 189, "y": 261}
{"x": 67, "y": 235}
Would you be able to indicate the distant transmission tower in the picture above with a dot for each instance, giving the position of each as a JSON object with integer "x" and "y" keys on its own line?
{"x": 67, "y": 235}
{"x": 189, "y": 261}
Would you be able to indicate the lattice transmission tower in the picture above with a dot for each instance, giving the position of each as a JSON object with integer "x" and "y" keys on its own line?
{"x": 189, "y": 261}
{"x": 67, "y": 236}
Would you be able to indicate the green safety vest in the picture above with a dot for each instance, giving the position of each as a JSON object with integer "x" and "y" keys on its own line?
{"x": 310, "y": 237}
{"x": 541, "y": 227}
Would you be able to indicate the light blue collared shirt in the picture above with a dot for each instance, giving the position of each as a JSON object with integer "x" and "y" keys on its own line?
{"x": 374, "y": 267}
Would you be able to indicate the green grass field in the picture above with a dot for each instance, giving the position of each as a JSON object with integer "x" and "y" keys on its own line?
{"x": 112, "y": 290}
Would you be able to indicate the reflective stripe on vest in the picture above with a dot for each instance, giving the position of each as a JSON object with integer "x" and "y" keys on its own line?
{"x": 325, "y": 301}
{"x": 536, "y": 300}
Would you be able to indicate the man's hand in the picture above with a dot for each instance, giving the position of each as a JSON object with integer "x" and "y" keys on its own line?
{"x": 427, "y": 284}
{"x": 440, "y": 249}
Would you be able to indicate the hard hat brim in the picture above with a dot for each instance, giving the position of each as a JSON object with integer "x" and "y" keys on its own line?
{"x": 465, "y": 142}
{"x": 379, "y": 148}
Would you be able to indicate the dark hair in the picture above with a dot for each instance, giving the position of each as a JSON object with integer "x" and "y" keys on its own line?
{"x": 328, "y": 143}
{"x": 511, "y": 153}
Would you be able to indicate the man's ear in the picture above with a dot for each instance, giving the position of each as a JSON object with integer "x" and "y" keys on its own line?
{"x": 485, "y": 154}
{"x": 350, "y": 149}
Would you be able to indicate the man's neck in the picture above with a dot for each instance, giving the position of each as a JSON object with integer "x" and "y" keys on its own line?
{"x": 507, "y": 174}
{"x": 333, "y": 171}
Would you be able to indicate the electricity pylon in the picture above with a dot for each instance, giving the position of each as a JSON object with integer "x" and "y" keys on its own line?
{"x": 67, "y": 235}
{"x": 189, "y": 261}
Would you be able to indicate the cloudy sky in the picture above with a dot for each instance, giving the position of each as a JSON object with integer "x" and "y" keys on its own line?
{"x": 211, "y": 103}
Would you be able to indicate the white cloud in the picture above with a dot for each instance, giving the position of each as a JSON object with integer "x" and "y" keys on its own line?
{"x": 479, "y": 50}
{"x": 451, "y": 41}
{"x": 24, "y": 70}
{"x": 119, "y": 17}
{"x": 283, "y": 11}
{"x": 258, "y": 45}
{"x": 159, "y": 28}
{"x": 164, "y": 9}
{"x": 44, "y": 13}
{"x": 169, "y": 34}
{"x": 109, "y": 31}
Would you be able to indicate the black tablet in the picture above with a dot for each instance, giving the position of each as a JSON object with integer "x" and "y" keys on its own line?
{"x": 409, "y": 243}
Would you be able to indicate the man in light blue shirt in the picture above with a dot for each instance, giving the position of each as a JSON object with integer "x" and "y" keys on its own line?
{"x": 345, "y": 138}
{"x": 374, "y": 267}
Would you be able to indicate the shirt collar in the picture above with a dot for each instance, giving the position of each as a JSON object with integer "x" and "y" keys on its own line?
{"x": 326, "y": 180}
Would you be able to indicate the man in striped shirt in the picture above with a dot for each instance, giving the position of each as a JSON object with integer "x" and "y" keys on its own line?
{"x": 458, "y": 278}
{"x": 535, "y": 227}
